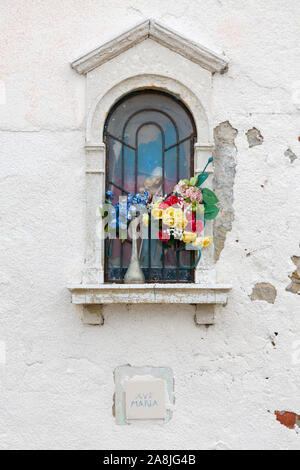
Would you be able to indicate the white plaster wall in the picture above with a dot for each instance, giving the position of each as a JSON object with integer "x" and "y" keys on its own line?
{"x": 57, "y": 383}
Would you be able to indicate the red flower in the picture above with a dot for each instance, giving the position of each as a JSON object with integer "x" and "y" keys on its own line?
{"x": 164, "y": 205}
{"x": 195, "y": 226}
{"x": 173, "y": 200}
{"x": 163, "y": 235}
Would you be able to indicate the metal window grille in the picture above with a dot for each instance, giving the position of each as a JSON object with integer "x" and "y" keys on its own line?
{"x": 165, "y": 117}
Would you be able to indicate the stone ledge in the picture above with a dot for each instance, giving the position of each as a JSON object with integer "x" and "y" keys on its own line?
{"x": 195, "y": 294}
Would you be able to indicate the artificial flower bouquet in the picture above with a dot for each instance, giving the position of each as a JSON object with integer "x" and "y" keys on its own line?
{"x": 184, "y": 213}
{"x": 180, "y": 217}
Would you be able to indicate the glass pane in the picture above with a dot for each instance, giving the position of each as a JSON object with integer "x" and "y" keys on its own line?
{"x": 131, "y": 105}
{"x": 149, "y": 139}
{"x": 185, "y": 162}
{"x": 149, "y": 116}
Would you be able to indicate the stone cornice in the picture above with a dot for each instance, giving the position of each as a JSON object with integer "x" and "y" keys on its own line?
{"x": 150, "y": 293}
{"x": 151, "y": 29}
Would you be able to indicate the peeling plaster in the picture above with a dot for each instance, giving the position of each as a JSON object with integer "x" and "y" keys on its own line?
{"x": 291, "y": 155}
{"x": 264, "y": 292}
{"x": 294, "y": 287}
{"x": 225, "y": 169}
{"x": 254, "y": 137}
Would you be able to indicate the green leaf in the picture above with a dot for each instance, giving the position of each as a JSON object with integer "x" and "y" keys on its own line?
{"x": 103, "y": 213}
{"x": 106, "y": 228}
{"x": 211, "y": 212}
{"x": 201, "y": 178}
{"x": 209, "y": 196}
{"x": 193, "y": 181}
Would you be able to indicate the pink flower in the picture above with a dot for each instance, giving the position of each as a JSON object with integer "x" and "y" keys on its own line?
{"x": 180, "y": 189}
{"x": 199, "y": 226}
{"x": 190, "y": 216}
{"x": 189, "y": 192}
{"x": 194, "y": 194}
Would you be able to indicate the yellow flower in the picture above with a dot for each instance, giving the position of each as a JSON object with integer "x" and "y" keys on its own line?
{"x": 202, "y": 242}
{"x": 156, "y": 204}
{"x": 181, "y": 224}
{"x": 170, "y": 211}
{"x": 178, "y": 214}
{"x": 167, "y": 219}
{"x": 180, "y": 219}
{"x": 206, "y": 241}
{"x": 157, "y": 213}
{"x": 189, "y": 237}
{"x": 145, "y": 220}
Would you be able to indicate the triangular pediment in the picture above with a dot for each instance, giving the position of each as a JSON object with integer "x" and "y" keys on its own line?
{"x": 151, "y": 29}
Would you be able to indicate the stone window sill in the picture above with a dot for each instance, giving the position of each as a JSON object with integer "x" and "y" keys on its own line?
{"x": 92, "y": 297}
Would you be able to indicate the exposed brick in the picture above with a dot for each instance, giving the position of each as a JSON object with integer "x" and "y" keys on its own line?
{"x": 286, "y": 418}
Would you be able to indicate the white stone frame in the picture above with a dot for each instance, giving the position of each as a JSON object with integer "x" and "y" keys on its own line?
{"x": 159, "y": 59}
{"x": 96, "y": 158}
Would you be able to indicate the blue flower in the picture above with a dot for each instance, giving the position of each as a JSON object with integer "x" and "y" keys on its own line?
{"x": 109, "y": 194}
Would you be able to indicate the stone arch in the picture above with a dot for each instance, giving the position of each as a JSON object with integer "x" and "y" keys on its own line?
{"x": 105, "y": 101}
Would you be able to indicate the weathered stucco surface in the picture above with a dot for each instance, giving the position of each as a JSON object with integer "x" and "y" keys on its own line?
{"x": 225, "y": 162}
{"x": 57, "y": 380}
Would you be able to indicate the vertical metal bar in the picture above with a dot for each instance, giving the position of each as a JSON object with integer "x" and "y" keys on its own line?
{"x": 136, "y": 162}
{"x": 192, "y": 252}
{"x": 119, "y": 241}
{"x": 163, "y": 191}
{"x": 106, "y": 140}
{"x": 178, "y": 176}
{"x": 149, "y": 250}
{"x": 178, "y": 161}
